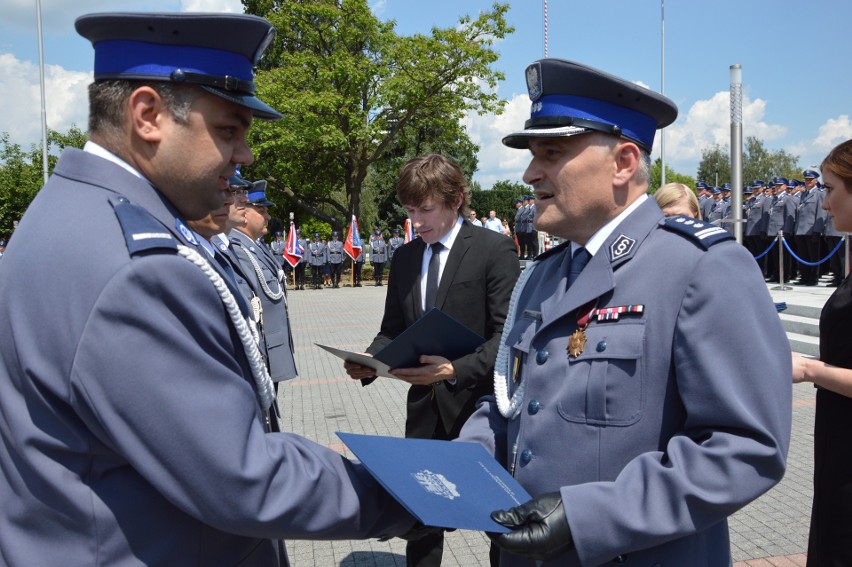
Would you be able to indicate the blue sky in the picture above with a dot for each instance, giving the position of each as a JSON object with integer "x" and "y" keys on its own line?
{"x": 797, "y": 83}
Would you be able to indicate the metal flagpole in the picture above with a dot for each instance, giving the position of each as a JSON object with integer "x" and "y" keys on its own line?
{"x": 737, "y": 149}
{"x": 545, "y": 28}
{"x": 663, "y": 89}
{"x": 41, "y": 81}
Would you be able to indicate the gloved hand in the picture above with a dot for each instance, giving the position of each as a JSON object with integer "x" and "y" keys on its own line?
{"x": 539, "y": 528}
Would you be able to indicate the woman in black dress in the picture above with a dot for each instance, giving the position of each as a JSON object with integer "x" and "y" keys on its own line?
{"x": 830, "y": 543}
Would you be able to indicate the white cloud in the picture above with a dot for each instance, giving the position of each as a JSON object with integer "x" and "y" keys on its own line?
{"x": 496, "y": 161}
{"x": 708, "y": 122}
{"x": 65, "y": 95}
{"x": 830, "y": 133}
{"x": 231, "y": 6}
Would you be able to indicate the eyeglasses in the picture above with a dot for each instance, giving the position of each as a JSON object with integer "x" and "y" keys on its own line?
{"x": 239, "y": 192}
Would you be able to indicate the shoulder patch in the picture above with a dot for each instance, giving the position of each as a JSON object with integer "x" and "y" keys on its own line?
{"x": 142, "y": 232}
{"x": 704, "y": 233}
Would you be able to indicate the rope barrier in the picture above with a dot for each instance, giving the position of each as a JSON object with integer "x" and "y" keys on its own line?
{"x": 765, "y": 252}
{"x": 806, "y": 263}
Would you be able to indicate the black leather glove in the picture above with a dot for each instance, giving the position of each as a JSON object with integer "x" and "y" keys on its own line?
{"x": 539, "y": 528}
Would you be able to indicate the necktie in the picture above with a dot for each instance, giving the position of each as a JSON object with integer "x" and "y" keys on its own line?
{"x": 579, "y": 260}
{"x": 432, "y": 276}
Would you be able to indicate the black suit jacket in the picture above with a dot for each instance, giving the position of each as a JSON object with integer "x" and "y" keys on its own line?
{"x": 475, "y": 288}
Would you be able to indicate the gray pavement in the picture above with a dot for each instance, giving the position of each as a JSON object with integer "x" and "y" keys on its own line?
{"x": 323, "y": 400}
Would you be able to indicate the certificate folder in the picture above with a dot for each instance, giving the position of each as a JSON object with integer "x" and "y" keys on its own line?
{"x": 448, "y": 484}
{"x": 436, "y": 333}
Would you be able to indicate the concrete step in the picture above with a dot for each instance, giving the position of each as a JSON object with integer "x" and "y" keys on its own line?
{"x": 799, "y": 324}
{"x": 804, "y": 344}
{"x": 809, "y": 311}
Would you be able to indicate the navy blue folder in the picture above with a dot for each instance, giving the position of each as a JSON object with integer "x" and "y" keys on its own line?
{"x": 448, "y": 484}
{"x": 436, "y": 333}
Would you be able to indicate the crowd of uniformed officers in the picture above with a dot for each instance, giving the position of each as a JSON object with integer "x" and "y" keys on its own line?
{"x": 787, "y": 207}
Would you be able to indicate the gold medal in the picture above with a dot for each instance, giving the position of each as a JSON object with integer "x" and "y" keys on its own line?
{"x": 577, "y": 342}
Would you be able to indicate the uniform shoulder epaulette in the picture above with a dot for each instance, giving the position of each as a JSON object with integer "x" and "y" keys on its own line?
{"x": 704, "y": 233}
{"x": 142, "y": 231}
{"x": 553, "y": 251}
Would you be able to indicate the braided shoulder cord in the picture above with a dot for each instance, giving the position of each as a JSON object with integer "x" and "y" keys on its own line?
{"x": 503, "y": 374}
{"x": 274, "y": 296}
{"x": 265, "y": 391}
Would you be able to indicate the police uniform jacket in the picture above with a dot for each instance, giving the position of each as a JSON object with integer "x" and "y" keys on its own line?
{"x": 378, "y": 251}
{"x": 130, "y": 431}
{"x": 765, "y": 211}
{"x": 393, "y": 244}
{"x": 529, "y": 217}
{"x": 318, "y": 254}
{"x": 275, "y": 321}
{"x": 706, "y": 206}
{"x": 809, "y": 220}
{"x": 754, "y": 215}
{"x": 782, "y": 216}
{"x": 278, "y": 247}
{"x": 519, "y": 220}
{"x": 651, "y": 439}
{"x": 335, "y": 252}
{"x": 305, "y": 257}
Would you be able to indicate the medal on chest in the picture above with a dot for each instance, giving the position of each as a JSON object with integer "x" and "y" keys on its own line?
{"x": 577, "y": 340}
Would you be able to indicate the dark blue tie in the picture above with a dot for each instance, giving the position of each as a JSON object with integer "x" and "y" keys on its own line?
{"x": 579, "y": 260}
{"x": 432, "y": 276}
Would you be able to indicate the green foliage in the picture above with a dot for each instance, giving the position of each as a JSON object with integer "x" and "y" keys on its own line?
{"x": 22, "y": 173}
{"x": 355, "y": 93}
{"x": 758, "y": 163}
{"x": 500, "y": 198}
{"x": 671, "y": 177}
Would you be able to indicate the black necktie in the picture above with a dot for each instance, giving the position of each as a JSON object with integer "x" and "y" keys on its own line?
{"x": 432, "y": 276}
{"x": 579, "y": 260}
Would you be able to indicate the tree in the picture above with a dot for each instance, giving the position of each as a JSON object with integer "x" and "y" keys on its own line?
{"x": 352, "y": 89}
{"x": 758, "y": 163}
{"x": 671, "y": 177}
{"x": 22, "y": 173}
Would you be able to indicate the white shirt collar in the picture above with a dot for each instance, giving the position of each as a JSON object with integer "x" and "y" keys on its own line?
{"x": 598, "y": 238}
{"x": 93, "y": 148}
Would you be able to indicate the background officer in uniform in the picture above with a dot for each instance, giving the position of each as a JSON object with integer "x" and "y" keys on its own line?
{"x": 519, "y": 227}
{"x": 334, "y": 250}
{"x": 635, "y": 442}
{"x": 378, "y": 256}
{"x": 266, "y": 279}
{"x": 394, "y": 243}
{"x": 135, "y": 419}
{"x": 303, "y": 260}
{"x": 810, "y": 221}
{"x": 278, "y": 246}
{"x": 318, "y": 257}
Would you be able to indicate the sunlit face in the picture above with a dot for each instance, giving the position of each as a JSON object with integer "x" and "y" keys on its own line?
{"x": 433, "y": 220}
{"x": 257, "y": 217}
{"x": 237, "y": 211}
{"x": 838, "y": 201}
{"x": 194, "y": 161}
{"x": 573, "y": 182}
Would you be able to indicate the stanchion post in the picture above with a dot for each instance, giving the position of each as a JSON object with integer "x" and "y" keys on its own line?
{"x": 781, "y": 274}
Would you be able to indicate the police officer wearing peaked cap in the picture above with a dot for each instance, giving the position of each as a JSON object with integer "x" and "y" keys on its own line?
{"x": 334, "y": 248}
{"x": 634, "y": 450}
{"x": 147, "y": 405}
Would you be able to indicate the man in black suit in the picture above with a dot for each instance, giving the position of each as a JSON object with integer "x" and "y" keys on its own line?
{"x": 476, "y": 271}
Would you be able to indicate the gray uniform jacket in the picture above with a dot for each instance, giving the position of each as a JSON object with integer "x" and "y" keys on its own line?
{"x": 275, "y": 321}
{"x": 130, "y": 431}
{"x": 378, "y": 251}
{"x": 335, "y": 252}
{"x": 393, "y": 244}
{"x": 652, "y": 439}
{"x": 317, "y": 254}
{"x": 278, "y": 247}
{"x": 782, "y": 216}
{"x": 753, "y": 210}
{"x": 809, "y": 213}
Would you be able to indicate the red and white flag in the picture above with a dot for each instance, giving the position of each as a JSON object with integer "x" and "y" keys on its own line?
{"x": 352, "y": 246}
{"x": 409, "y": 231}
{"x": 293, "y": 251}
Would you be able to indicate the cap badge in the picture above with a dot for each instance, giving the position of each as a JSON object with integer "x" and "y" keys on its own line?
{"x": 534, "y": 81}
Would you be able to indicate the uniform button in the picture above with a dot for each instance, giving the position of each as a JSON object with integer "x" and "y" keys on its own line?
{"x": 526, "y": 456}
{"x": 622, "y": 559}
{"x": 601, "y": 346}
{"x": 534, "y": 406}
{"x": 542, "y": 356}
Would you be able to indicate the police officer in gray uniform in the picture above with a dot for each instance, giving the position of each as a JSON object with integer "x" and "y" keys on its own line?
{"x": 318, "y": 257}
{"x": 394, "y": 243}
{"x": 635, "y": 441}
{"x": 378, "y": 256}
{"x": 266, "y": 279}
{"x": 334, "y": 249}
{"x": 136, "y": 422}
{"x": 782, "y": 219}
{"x": 810, "y": 223}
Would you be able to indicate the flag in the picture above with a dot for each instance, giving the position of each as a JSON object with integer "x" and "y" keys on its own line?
{"x": 409, "y": 231}
{"x": 352, "y": 246}
{"x": 293, "y": 252}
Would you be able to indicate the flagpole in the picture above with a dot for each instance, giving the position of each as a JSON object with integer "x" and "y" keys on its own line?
{"x": 663, "y": 89}
{"x": 41, "y": 82}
